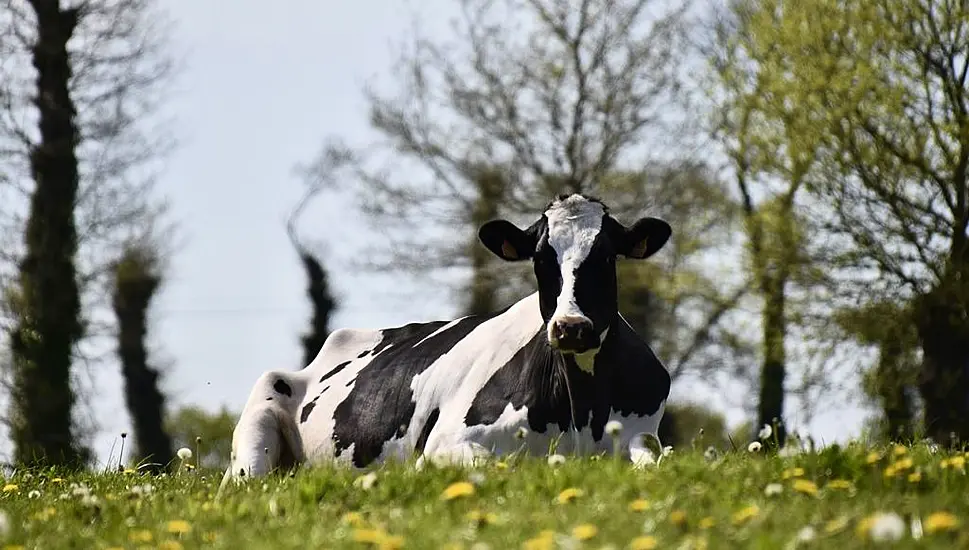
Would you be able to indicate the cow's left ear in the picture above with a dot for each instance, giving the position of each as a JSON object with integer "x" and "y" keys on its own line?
{"x": 645, "y": 238}
{"x": 507, "y": 241}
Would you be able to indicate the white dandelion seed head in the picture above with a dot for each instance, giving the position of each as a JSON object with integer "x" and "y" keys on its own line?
{"x": 521, "y": 432}
{"x": 476, "y": 478}
{"x": 754, "y": 447}
{"x": 613, "y": 427}
{"x": 366, "y": 481}
{"x": 773, "y": 489}
{"x": 184, "y": 453}
{"x": 555, "y": 460}
{"x": 887, "y": 527}
{"x": 806, "y": 534}
{"x": 765, "y": 432}
{"x": 33, "y": 494}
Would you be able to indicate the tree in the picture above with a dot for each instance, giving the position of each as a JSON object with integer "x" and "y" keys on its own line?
{"x": 208, "y": 434}
{"x": 79, "y": 92}
{"x": 682, "y": 424}
{"x": 881, "y": 99}
{"x": 509, "y": 114}
{"x": 772, "y": 165}
{"x": 138, "y": 277}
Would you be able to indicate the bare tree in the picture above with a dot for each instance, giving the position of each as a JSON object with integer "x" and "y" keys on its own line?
{"x": 545, "y": 97}
{"x": 81, "y": 122}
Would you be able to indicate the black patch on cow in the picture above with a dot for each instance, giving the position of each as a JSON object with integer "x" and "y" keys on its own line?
{"x": 426, "y": 430}
{"x": 352, "y": 380}
{"x": 363, "y": 354}
{"x": 307, "y": 409}
{"x": 269, "y": 399}
{"x": 628, "y": 379}
{"x": 282, "y": 387}
{"x": 382, "y": 401}
{"x": 335, "y": 370}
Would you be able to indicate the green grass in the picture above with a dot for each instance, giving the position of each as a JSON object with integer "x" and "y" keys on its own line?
{"x": 692, "y": 503}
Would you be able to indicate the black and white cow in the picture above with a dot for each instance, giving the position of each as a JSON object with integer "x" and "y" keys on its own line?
{"x": 560, "y": 360}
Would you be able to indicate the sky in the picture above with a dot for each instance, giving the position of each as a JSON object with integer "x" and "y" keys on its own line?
{"x": 259, "y": 90}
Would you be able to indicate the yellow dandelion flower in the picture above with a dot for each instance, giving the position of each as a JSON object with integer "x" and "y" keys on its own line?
{"x": 170, "y": 545}
{"x": 45, "y": 514}
{"x": 793, "y": 472}
{"x": 57, "y": 480}
{"x": 915, "y": 477}
{"x": 899, "y": 450}
{"x": 707, "y": 522}
{"x": 677, "y": 517}
{"x": 873, "y": 457}
{"x": 501, "y": 465}
{"x": 639, "y": 505}
{"x": 940, "y": 521}
{"x": 372, "y": 536}
{"x": 391, "y": 542}
{"x": 544, "y": 541}
{"x": 958, "y": 461}
{"x": 179, "y": 527}
{"x": 354, "y": 519}
{"x": 140, "y": 535}
{"x": 745, "y": 514}
{"x": 645, "y": 542}
{"x": 836, "y": 525}
{"x": 842, "y": 484}
{"x": 570, "y": 494}
{"x": 584, "y": 531}
{"x": 944, "y": 463}
{"x": 864, "y": 526}
{"x": 457, "y": 490}
{"x": 805, "y": 486}
{"x": 482, "y": 518}
{"x": 890, "y": 471}
{"x": 10, "y": 487}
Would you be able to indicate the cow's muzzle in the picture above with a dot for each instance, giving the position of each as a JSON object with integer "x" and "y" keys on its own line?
{"x": 572, "y": 334}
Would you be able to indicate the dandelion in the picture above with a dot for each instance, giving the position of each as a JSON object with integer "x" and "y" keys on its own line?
{"x": 873, "y": 457}
{"x": 765, "y": 432}
{"x": 677, "y": 517}
{"x": 568, "y": 495}
{"x": 842, "y": 484}
{"x": 544, "y": 541}
{"x": 57, "y": 480}
{"x": 882, "y": 527}
{"x": 179, "y": 527}
{"x": 745, "y": 514}
{"x": 521, "y": 433}
{"x": 10, "y": 487}
{"x": 354, "y": 519}
{"x": 33, "y": 494}
{"x": 806, "y": 534}
{"x": 643, "y": 543}
{"x": 140, "y": 535}
{"x": 915, "y": 477}
{"x": 899, "y": 450}
{"x": 555, "y": 460}
{"x": 184, "y": 454}
{"x": 793, "y": 472}
{"x": 806, "y": 487}
{"x": 940, "y": 521}
{"x": 476, "y": 478}
{"x": 482, "y": 518}
{"x": 754, "y": 447}
{"x": 836, "y": 525}
{"x": 366, "y": 481}
{"x": 639, "y": 505}
{"x": 707, "y": 522}
{"x": 613, "y": 427}
{"x": 457, "y": 490}
{"x": 773, "y": 489}
{"x": 584, "y": 531}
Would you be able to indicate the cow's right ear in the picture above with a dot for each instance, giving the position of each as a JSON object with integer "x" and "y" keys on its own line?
{"x": 507, "y": 241}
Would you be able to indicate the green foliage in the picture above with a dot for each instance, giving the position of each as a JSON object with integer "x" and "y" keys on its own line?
{"x": 739, "y": 500}
{"x": 692, "y": 425}
{"x": 190, "y": 423}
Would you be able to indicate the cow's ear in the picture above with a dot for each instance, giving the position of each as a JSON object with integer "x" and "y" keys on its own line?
{"x": 645, "y": 238}
{"x": 507, "y": 241}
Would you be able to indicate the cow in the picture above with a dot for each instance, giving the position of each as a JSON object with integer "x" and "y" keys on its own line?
{"x": 562, "y": 360}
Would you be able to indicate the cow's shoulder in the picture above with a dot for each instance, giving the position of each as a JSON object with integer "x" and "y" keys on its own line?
{"x": 640, "y": 380}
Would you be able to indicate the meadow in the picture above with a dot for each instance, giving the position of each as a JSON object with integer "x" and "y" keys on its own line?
{"x": 849, "y": 497}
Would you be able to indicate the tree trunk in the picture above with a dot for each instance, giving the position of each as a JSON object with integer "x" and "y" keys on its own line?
{"x": 944, "y": 382}
{"x": 322, "y": 303}
{"x": 135, "y": 287}
{"x": 892, "y": 387}
{"x": 483, "y": 287}
{"x": 770, "y": 408}
{"x": 48, "y": 305}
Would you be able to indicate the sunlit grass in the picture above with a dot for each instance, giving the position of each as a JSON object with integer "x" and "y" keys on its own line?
{"x": 848, "y": 497}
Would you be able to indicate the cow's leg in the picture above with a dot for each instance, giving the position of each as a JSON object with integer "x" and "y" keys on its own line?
{"x": 266, "y": 436}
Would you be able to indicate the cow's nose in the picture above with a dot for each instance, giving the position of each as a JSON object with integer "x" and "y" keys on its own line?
{"x": 572, "y": 333}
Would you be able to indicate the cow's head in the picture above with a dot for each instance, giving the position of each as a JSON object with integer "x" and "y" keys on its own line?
{"x": 574, "y": 246}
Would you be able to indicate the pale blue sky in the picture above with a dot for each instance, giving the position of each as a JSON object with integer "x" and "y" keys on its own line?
{"x": 261, "y": 89}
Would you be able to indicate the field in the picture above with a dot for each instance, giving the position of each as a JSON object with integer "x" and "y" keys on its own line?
{"x": 851, "y": 497}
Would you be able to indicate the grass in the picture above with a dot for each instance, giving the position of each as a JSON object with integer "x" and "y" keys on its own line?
{"x": 688, "y": 501}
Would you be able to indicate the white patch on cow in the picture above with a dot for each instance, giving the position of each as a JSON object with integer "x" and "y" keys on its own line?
{"x": 438, "y": 331}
